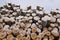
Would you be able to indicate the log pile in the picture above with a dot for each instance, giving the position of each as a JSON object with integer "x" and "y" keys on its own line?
{"x": 29, "y": 24}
